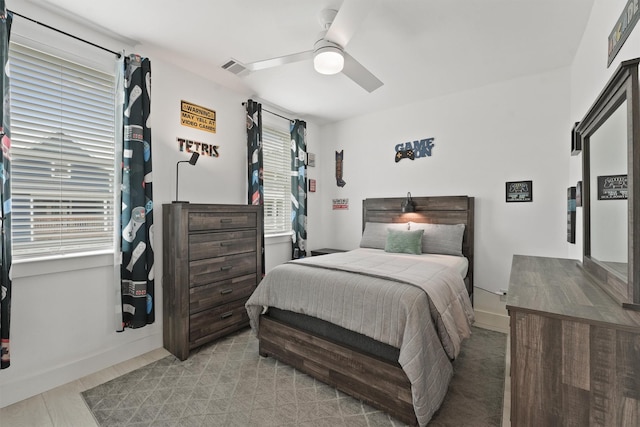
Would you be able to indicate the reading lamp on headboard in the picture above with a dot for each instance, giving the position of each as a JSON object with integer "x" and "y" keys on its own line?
{"x": 408, "y": 205}
{"x": 192, "y": 161}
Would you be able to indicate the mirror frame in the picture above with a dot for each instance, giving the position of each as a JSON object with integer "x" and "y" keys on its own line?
{"x": 623, "y": 86}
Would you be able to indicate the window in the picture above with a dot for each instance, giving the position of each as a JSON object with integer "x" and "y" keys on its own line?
{"x": 276, "y": 150}
{"x": 63, "y": 155}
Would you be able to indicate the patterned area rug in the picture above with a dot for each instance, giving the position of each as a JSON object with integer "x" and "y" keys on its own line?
{"x": 228, "y": 384}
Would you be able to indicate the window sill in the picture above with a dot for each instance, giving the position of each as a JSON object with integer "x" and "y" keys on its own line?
{"x": 60, "y": 264}
{"x": 274, "y": 239}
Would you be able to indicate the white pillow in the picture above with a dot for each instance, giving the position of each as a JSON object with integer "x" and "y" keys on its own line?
{"x": 375, "y": 233}
{"x": 440, "y": 238}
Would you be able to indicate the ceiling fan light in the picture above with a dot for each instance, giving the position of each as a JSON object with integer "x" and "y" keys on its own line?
{"x": 328, "y": 60}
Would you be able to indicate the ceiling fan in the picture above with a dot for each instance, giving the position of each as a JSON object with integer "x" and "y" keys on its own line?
{"x": 328, "y": 53}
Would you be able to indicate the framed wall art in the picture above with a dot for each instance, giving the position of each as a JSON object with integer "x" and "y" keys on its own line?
{"x": 519, "y": 191}
{"x": 571, "y": 214}
{"x": 612, "y": 187}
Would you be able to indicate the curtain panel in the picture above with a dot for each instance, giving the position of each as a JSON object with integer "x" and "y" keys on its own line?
{"x": 255, "y": 182}
{"x": 5, "y": 196}
{"x": 136, "y": 242}
{"x": 298, "y": 188}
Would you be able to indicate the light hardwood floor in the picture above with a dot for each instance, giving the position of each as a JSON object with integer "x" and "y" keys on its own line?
{"x": 64, "y": 407}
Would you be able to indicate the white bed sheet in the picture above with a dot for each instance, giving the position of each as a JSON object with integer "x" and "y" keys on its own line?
{"x": 459, "y": 263}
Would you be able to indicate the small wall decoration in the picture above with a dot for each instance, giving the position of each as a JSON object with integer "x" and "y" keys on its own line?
{"x": 197, "y": 117}
{"x": 340, "y": 204}
{"x": 311, "y": 160}
{"x": 623, "y": 27}
{"x": 339, "y": 158}
{"x": 201, "y": 148}
{"x": 576, "y": 141}
{"x": 571, "y": 214}
{"x": 612, "y": 187}
{"x": 579, "y": 194}
{"x": 519, "y": 191}
{"x": 312, "y": 186}
{"x": 414, "y": 150}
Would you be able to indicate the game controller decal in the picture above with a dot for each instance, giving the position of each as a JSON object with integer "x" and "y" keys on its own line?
{"x": 414, "y": 150}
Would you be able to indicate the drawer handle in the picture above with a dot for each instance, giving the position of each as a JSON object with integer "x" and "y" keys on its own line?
{"x": 224, "y": 244}
{"x": 226, "y": 291}
{"x": 227, "y": 314}
{"x": 226, "y": 267}
{"x": 226, "y": 220}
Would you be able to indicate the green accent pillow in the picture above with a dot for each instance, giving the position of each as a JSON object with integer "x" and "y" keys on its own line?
{"x": 407, "y": 242}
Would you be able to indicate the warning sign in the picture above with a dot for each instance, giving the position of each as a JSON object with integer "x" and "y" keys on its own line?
{"x": 197, "y": 117}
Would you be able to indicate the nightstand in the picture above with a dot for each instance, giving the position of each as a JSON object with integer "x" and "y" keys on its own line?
{"x": 325, "y": 251}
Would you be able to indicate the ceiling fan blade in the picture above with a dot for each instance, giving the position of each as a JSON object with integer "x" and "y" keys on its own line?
{"x": 356, "y": 72}
{"x": 275, "y": 62}
{"x": 348, "y": 19}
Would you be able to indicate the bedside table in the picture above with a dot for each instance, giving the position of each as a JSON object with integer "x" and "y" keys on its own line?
{"x": 325, "y": 251}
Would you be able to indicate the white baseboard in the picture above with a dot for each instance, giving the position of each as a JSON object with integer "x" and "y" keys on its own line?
{"x": 492, "y": 321}
{"x": 25, "y": 387}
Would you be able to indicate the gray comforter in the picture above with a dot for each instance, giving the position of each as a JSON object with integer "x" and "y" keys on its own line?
{"x": 418, "y": 306}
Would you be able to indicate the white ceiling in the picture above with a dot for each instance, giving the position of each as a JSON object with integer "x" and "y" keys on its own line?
{"x": 419, "y": 48}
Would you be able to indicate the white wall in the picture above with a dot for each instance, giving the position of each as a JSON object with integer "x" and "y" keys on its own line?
{"x": 62, "y": 319}
{"x": 514, "y": 130}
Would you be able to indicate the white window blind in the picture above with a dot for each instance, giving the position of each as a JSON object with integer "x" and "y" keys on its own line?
{"x": 62, "y": 149}
{"x": 276, "y": 151}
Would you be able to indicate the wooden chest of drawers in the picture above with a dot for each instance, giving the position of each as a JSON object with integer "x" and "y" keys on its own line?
{"x": 212, "y": 262}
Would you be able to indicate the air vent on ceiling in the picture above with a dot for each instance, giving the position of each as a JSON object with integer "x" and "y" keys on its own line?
{"x": 236, "y": 68}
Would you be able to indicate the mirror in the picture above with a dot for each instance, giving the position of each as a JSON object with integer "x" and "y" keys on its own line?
{"x": 608, "y": 167}
{"x": 610, "y": 133}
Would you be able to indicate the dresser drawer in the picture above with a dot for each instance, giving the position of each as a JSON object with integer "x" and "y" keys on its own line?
{"x": 201, "y": 221}
{"x": 214, "y": 321}
{"x": 215, "y": 294}
{"x": 211, "y": 270}
{"x": 210, "y": 245}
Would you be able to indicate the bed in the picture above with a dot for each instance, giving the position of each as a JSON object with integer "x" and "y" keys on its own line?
{"x": 361, "y": 320}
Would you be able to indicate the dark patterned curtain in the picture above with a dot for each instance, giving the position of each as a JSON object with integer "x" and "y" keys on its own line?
{"x": 5, "y": 196}
{"x": 136, "y": 269}
{"x": 254, "y": 159}
{"x": 299, "y": 188}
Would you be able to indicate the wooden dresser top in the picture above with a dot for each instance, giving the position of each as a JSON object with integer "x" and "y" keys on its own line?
{"x": 561, "y": 288}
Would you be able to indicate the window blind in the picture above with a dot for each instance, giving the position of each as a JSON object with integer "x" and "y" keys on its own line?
{"x": 62, "y": 155}
{"x": 276, "y": 151}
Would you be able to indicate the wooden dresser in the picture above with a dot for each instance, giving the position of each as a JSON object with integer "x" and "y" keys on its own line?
{"x": 212, "y": 262}
{"x": 575, "y": 353}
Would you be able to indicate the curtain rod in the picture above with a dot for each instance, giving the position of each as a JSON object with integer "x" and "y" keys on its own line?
{"x": 65, "y": 33}
{"x": 271, "y": 112}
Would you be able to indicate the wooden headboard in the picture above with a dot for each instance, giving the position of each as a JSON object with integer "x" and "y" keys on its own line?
{"x": 434, "y": 210}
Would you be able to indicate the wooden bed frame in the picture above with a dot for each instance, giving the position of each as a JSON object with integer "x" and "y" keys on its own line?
{"x": 381, "y": 384}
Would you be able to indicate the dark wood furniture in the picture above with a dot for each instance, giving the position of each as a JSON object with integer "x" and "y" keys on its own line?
{"x": 380, "y": 383}
{"x": 212, "y": 256}
{"x": 575, "y": 352}
{"x": 325, "y": 251}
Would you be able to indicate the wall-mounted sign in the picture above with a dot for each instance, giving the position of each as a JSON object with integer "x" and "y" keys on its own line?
{"x": 340, "y": 204}
{"x": 623, "y": 27}
{"x": 414, "y": 150}
{"x": 201, "y": 148}
{"x": 519, "y": 191}
{"x": 197, "y": 117}
{"x": 612, "y": 187}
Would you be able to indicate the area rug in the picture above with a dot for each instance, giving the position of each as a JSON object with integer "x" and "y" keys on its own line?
{"x": 227, "y": 383}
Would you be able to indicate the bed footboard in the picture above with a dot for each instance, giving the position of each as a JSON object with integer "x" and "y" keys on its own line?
{"x": 379, "y": 383}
